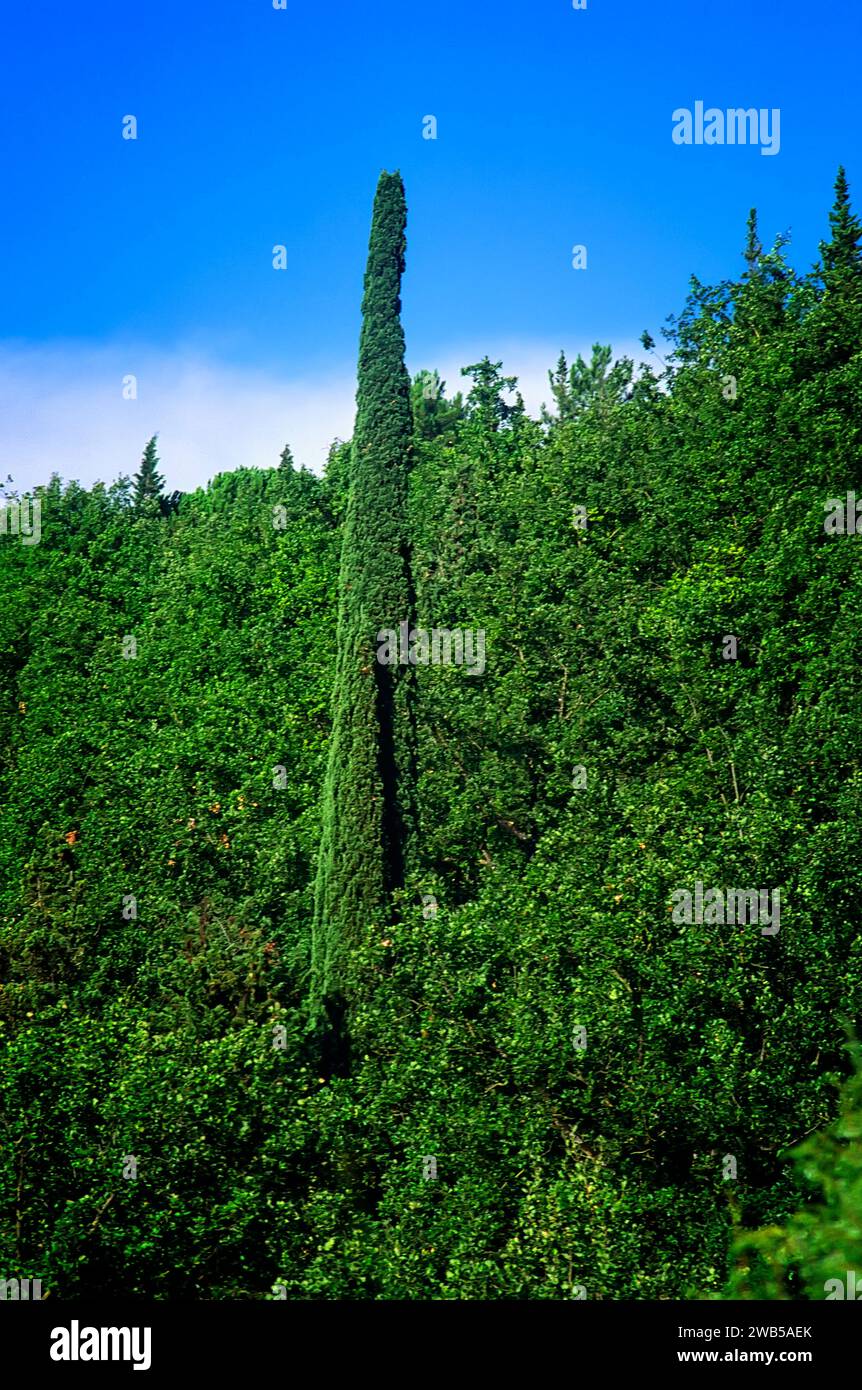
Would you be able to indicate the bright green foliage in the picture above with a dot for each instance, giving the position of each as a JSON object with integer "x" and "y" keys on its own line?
{"x": 817, "y": 1252}
{"x": 187, "y": 778}
{"x": 599, "y": 380}
{"x": 368, "y": 795}
{"x": 148, "y": 480}
{"x": 608, "y": 756}
{"x": 433, "y": 414}
{"x": 841, "y": 254}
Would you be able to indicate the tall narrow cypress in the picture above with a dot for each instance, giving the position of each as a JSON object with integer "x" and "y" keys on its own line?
{"x": 368, "y": 797}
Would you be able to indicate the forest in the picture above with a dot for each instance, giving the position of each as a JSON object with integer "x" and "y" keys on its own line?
{"x": 326, "y": 977}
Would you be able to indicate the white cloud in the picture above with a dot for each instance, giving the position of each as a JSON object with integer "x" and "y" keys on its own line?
{"x": 62, "y": 408}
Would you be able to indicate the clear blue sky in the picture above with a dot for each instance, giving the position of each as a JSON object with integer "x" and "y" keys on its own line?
{"x": 258, "y": 126}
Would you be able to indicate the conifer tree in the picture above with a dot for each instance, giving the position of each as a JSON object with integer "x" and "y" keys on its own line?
{"x": 368, "y": 798}
{"x": 433, "y": 414}
{"x": 835, "y": 332}
{"x": 148, "y": 481}
{"x": 599, "y": 380}
{"x": 753, "y": 248}
{"x": 842, "y": 253}
{"x": 759, "y": 298}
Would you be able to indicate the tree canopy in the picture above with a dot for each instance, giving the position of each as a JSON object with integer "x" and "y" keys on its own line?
{"x": 218, "y": 809}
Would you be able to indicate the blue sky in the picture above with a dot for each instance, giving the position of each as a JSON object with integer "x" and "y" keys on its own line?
{"x": 259, "y": 127}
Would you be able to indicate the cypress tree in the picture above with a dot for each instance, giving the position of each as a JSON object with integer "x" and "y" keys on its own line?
{"x": 368, "y": 795}
{"x": 148, "y": 481}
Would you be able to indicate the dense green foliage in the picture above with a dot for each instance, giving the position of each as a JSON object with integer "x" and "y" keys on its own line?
{"x": 148, "y": 480}
{"x": 369, "y": 789}
{"x": 188, "y": 777}
{"x": 815, "y": 1254}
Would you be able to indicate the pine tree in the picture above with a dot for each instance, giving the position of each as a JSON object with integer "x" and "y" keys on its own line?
{"x": 148, "y": 481}
{"x": 433, "y": 414}
{"x": 759, "y": 299}
{"x": 753, "y": 247}
{"x": 574, "y": 388}
{"x": 368, "y": 798}
{"x": 842, "y": 254}
{"x": 835, "y": 329}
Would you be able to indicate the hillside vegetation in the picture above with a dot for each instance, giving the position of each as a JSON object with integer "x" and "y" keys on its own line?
{"x": 482, "y": 964}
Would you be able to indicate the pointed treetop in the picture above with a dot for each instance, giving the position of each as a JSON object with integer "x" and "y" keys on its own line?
{"x": 753, "y": 248}
{"x": 388, "y": 241}
{"x": 381, "y": 341}
{"x": 368, "y": 820}
{"x": 842, "y": 252}
{"x": 148, "y": 481}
